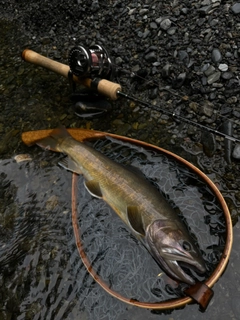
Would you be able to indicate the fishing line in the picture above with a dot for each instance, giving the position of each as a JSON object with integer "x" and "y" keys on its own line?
{"x": 133, "y": 74}
{"x": 93, "y": 68}
{"x": 178, "y": 117}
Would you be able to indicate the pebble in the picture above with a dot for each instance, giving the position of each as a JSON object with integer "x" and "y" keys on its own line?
{"x": 194, "y": 106}
{"x": 232, "y": 100}
{"x": 236, "y": 8}
{"x": 143, "y": 11}
{"x": 165, "y": 24}
{"x": 236, "y": 114}
{"x": 207, "y": 108}
{"x": 227, "y": 75}
{"x": 209, "y": 143}
{"x": 131, "y": 11}
{"x": 153, "y": 25}
{"x": 223, "y": 67}
{"x": 228, "y": 54}
{"x": 236, "y": 152}
{"x": 146, "y": 34}
{"x": 166, "y": 70}
{"x": 214, "y": 77}
{"x": 22, "y": 157}
{"x": 172, "y": 30}
{"x": 153, "y": 93}
{"x": 158, "y": 20}
{"x": 178, "y": 82}
{"x": 216, "y": 56}
{"x": 205, "y": 10}
{"x": 184, "y": 57}
{"x": 184, "y": 11}
{"x": 151, "y": 57}
{"x": 210, "y": 70}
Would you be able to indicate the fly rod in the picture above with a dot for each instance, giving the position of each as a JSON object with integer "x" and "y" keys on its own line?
{"x": 93, "y": 68}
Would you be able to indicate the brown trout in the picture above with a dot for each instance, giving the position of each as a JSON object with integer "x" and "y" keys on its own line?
{"x": 137, "y": 202}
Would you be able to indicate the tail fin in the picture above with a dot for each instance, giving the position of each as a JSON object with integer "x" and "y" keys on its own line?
{"x": 54, "y": 140}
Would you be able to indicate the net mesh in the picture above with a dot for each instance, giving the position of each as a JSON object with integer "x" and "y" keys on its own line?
{"x": 121, "y": 260}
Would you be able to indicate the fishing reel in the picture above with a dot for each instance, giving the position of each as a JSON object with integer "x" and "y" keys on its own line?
{"x": 92, "y": 62}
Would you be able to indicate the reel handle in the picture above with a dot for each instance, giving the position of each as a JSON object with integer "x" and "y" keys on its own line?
{"x": 104, "y": 87}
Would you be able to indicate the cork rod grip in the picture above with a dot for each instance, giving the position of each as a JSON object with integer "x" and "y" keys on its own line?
{"x": 109, "y": 89}
{"x": 105, "y": 87}
{"x": 38, "y": 59}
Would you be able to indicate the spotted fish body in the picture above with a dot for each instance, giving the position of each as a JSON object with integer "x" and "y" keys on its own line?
{"x": 137, "y": 202}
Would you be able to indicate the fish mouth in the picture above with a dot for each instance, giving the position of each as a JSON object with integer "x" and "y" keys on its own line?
{"x": 176, "y": 264}
{"x": 173, "y": 250}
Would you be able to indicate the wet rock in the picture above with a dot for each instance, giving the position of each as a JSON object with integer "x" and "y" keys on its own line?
{"x": 236, "y": 152}
{"x": 209, "y": 143}
{"x": 151, "y": 57}
{"x": 208, "y": 70}
{"x": 223, "y": 67}
{"x": 153, "y": 25}
{"x": 132, "y": 11}
{"x": 236, "y": 114}
{"x": 184, "y": 11}
{"x": 214, "y": 77}
{"x": 205, "y": 10}
{"x": 166, "y": 70}
{"x": 227, "y": 75}
{"x": 172, "y": 30}
{"x": 216, "y": 56}
{"x": 146, "y": 34}
{"x": 143, "y": 11}
{"x": 22, "y": 157}
{"x": 123, "y": 129}
{"x": 153, "y": 93}
{"x": 179, "y": 81}
{"x": 118, "y": 61}
{"x": 236, "y": 8}
{"x": 165, "y": 24}
{"x": 159, "y": 20}
{"x": 194, "y": 106}
{"x": 232, "y": 100}
{"x": 207, "y": 108}
{"x": 184, "y": 57}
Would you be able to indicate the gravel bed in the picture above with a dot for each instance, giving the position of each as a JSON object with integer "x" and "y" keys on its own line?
{"x": 181, "y": 56}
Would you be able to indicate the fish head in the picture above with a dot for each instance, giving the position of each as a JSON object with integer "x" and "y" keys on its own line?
{"x": 173, "y": 248}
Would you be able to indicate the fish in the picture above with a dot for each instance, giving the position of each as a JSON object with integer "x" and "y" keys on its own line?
{"x": 141, "y": 206}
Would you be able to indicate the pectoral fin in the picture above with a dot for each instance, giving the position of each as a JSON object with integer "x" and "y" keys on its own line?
{"x": 93, "y": 188}
{"x": 135, "y": 219}
{"x": 69, "y": 164}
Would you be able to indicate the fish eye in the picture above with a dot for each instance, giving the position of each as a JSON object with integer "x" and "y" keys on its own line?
{"x": 187, "y": 246}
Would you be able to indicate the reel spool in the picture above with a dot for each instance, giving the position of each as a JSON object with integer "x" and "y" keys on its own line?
{"x": 92, "y": 62}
